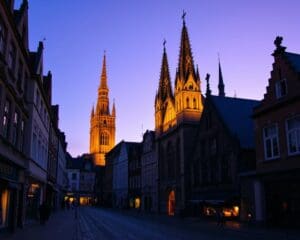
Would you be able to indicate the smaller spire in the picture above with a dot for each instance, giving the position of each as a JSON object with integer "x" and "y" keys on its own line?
{"x": 208, "y": 91}
{"x": 93, "y": 111}
{"x": 113, "y": 109}
{"x": 103, "y": 83}
{"x": 183, "y": 17}
{"x": 221, "y": 85}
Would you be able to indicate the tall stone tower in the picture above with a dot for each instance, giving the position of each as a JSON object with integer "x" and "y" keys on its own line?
{"x": 103, "y": 122}
{"x": 177, "y": 115}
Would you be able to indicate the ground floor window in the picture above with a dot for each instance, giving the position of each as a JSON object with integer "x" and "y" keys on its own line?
{"x": 4, "y": 204}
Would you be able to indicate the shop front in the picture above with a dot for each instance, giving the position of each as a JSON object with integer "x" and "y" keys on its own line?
{"x": 11, "y": 197}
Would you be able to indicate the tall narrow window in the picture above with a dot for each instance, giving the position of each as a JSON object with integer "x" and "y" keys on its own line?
{"x": 12, "y": 57}
{"x": 22, "y": 129}
{"x": 6, "y": 119}
{"x": 293, "y": 135}
{"x": 194, "y": 103}
{"x": 271, "y": 142}
{"x": 281, "y": 88}
{"x": 2, "y": 37}
{"x": 20, "y": 77}
{"x": 15, "y": 129}
{"x": 188, "y": 103}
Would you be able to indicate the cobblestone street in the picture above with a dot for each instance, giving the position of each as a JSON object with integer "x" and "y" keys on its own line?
{"x": 94, "y": 223}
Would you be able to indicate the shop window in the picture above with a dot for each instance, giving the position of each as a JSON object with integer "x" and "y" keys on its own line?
{"x": 293, "y": 135}
{"x": 4, "y": 204}
{"x": 271, "y": 145}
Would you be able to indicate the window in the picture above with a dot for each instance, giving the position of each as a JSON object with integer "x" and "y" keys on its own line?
{"x": 15, "y": 129}
{"x": 293, "y": 135}
{"x": 2, "y": 37}
{"x": 104, "y": 140}
{"x": 74, "y": 176}
{"x": 34, "y": 146}
{"x": 188, "y": 103}
{"x": 271, "y": 142}
{"x": 21, "y": 143}
{"x": 6, "y": 119}
{"x": 20, "y": 76}
{"x": 213, "y": 147}
{"x": 281, "y": 88}
{"x": 12, "y": 57}
{"x": 194, "y": 103}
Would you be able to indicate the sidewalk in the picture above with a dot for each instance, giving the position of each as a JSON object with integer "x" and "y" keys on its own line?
{"x": 61, "y": 225}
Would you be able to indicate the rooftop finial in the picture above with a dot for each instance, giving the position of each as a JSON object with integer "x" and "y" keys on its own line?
{"x": 208, "y": 91}
{"x": 183, "y": 16}
{"x": 278, "y": 41}
{"x": 164, "y": 44}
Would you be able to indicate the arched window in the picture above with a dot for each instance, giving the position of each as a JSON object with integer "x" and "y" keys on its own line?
{"x": 194, "y": 103}
{"x": 104, "y": 139}
{"x": 187, "y": 102}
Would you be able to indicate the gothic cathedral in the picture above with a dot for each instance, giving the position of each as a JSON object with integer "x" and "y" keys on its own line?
{"x": 177, "y": 115}
{"x": 103, "y": 122}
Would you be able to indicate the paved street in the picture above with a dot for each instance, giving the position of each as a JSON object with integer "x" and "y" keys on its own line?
{"x": 94, "y": 223}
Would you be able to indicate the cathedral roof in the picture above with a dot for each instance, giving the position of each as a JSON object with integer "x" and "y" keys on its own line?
{"x": 236, "y": 114}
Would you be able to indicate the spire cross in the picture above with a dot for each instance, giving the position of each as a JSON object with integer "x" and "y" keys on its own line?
{"x": 183, "y": 16}
{"x": 164, "y": 43}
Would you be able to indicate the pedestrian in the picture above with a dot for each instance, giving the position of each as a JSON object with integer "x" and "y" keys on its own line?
{"x": 220, "y": 218}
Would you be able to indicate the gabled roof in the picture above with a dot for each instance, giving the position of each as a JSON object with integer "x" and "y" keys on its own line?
{"x": 236, "y": 114}
{"x": 294, "y": 59}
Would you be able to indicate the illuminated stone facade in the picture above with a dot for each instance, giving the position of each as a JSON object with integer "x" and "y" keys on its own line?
{"x": 103, "y": 127}
{"x": 176, "y": 119}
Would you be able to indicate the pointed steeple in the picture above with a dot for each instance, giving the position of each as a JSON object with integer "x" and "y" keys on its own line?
{"x": 103, "y": 83}
{"x": 93, "y": 111}
{"x": 186, "y": 63}
{"x": 208, "y": 91}
{"x": 113, "y": 113}
{"x": 164, "y": 89}
{"x": 221, "y": 85}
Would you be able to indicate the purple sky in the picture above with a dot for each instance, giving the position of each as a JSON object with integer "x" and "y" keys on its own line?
{"x": 77, "y": 33}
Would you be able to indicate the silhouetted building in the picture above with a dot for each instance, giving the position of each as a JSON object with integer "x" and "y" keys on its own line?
{"x": 134, "y": 174}
{"x": 103, "y": 122}
{"x": 14, "y": 113}
{"x": 149, "y": 172}
{"x": 223, "y": 148}
{"x": 277, "y": 134}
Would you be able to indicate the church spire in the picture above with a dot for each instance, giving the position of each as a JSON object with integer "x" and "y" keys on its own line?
{"x": 113, "y": 113}
{"x": 164, "y": 88}
{"x": 93, "y": 111}
{"x": 221, "y": 85}
{"x": 186, "y": 63}
{"x": 103, "y": 83}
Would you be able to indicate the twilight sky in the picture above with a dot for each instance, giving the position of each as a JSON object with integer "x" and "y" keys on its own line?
{"x": 132, "y": 31}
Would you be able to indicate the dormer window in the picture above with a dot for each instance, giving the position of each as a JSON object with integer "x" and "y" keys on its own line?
{"x": 281, "y": 88}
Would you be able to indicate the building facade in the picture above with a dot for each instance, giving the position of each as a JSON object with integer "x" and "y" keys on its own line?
{"x": 14, "y": 113}
{"x": 224, "y": 147}
{"x": 176, "y": 118}
{"x": 277, "y": 136}
{"x": 149, "y": 173}
{"x": 103, "y": 122}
